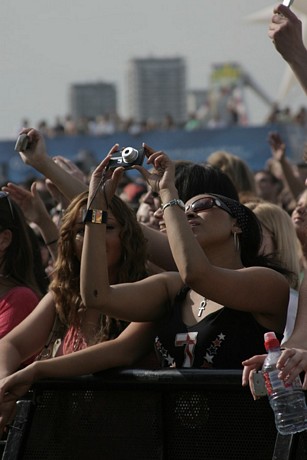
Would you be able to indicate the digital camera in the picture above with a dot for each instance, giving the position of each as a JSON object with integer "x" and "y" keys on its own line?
{"x": 22, "y": 143}
{"x": 127, "y": 157}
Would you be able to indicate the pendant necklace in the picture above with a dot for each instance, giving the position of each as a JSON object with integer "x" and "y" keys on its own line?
{"x": 202, "y": 306}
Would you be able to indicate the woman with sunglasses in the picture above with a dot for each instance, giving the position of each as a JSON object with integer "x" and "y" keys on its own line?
{"x": 211, "y": 314}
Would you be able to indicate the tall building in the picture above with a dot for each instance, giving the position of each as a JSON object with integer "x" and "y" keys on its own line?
{"x": 92, "y": 99}
{"x": 156, "y": 88}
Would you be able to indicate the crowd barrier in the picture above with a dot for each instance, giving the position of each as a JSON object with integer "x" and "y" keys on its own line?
{"x": 148, "y": 415}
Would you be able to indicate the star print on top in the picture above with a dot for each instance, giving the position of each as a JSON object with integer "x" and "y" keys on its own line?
{"x": 222, "y": 340}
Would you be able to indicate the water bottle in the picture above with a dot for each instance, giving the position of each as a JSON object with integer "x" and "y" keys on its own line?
{"x": 287, "y": 400}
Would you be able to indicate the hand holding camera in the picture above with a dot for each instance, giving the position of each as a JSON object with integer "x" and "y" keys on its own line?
{"x": 127, "y": 157}
{"x": 22, "y": 143}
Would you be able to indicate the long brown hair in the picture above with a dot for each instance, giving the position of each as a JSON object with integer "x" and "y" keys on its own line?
{"x": 66, "y": 278}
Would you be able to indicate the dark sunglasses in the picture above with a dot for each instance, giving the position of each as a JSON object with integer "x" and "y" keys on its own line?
{"x": 6, "y": 195}
{"x": 207, "y": 203}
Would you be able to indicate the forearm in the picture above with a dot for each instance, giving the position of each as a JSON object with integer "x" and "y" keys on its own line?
{"x": 298, "y": 338}
{"x": 134, "y": 343}
{"x": 49, "y": 232}
{"x": 184, "y": 246}
{"x": 86, "y": 362}
{"x": 10, "y": 358}
{"x": 159, "y": 252}
{"x": 295, "y": 184}
{"x": 298, "y": 63}
{"x": 94, "y": 277}
{"x": 68, "y": 185}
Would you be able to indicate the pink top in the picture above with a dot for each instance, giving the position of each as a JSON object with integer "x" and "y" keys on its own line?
{"x": 72, "y": 341}
{"x": 15, "y": 306}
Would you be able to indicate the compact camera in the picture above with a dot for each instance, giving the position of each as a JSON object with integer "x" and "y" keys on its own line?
{"x": 22, "y": 143}
{"x": 127, "y": 157}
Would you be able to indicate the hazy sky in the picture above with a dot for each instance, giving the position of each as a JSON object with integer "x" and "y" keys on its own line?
{"x": 47, "y": 45}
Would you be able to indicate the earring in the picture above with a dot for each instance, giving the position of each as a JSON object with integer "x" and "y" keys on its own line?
{"x": 236, "y": 241}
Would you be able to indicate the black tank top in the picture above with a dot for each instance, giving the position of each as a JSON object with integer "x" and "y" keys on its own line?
{"x": 222, "y": 340}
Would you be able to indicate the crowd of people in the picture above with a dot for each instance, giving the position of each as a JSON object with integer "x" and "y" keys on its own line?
{"x": 187, "y": 265}
{"x": 107, "y": 124}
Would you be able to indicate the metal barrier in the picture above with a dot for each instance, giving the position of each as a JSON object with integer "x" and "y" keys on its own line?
{"x": 147, "y": 415}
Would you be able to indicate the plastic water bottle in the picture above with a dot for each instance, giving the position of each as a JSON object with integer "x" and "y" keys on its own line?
{"x": 287, "y": 401}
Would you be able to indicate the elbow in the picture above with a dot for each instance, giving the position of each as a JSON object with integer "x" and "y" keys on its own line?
{"x": 187, "y": 275}
{"x": 92, "y": 300}
{"x": 190, "y": 277}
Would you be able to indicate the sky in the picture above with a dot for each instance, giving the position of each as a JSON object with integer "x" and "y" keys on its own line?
{"x": 46, "y": 45}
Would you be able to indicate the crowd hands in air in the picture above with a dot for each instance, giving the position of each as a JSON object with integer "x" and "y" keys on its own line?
{"x": 129, "y": 275}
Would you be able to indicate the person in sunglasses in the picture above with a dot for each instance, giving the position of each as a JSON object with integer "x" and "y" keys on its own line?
{"x": 212, "y": 313}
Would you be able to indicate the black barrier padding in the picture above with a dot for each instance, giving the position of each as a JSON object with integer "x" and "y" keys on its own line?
{"x": 144, "y": 415}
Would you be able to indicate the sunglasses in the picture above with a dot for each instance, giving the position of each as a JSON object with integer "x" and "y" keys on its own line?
{"x": 207, "y": 203}
{"x": 6, "y": 195}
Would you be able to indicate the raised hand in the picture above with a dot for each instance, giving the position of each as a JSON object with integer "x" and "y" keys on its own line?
{"x": 104, "y": 181}
{"x": 163, "y": 174}
{"x": 30, "y": 202}
{"x": 278, "y": 147}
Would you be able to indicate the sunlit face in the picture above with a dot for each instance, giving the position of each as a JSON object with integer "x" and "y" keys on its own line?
{"x": 265, "y": 188}
{"x": 209, "y": 218}
{"x": 113, "y": 241}
{"x": 147, "y": 209}
{"x": 299, "y": 216}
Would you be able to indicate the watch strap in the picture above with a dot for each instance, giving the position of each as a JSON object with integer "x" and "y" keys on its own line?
{"x": 174, "y": 202}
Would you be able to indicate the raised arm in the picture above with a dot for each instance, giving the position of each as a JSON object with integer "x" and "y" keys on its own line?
{"x": 278, "y": 149}
{"x": 285, "y": 30}
{"x": 35, "y": 211}
{"x": 206, "y": 270}
{"x": 144, "y": 300}
{"x": 35, "y": 155}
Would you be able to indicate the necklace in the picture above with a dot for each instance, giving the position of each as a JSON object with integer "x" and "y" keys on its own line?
{"x": 202, "y": 306}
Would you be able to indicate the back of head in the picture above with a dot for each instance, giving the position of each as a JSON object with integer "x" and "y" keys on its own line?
{"x": 236, "y": 168}
{"x": 287, "y": 247}
{"x": 194, "y": 179}
{"x": 250, "y": 237}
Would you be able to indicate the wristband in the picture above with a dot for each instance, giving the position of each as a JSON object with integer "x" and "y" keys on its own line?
{"x": 95, "y": 216}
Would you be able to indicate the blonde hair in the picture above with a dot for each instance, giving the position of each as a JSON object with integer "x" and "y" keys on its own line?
{"x": 287, "y": 246}
{"x": 235, "y": 168}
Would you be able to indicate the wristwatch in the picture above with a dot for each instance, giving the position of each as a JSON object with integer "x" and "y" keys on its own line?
{"x": 174, "y": 202}
{"x": 96, "y": 216}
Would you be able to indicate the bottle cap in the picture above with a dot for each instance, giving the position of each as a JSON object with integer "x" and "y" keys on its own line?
{"x": 270, "y": 340}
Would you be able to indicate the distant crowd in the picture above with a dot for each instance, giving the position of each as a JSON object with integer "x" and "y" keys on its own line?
{"x": 108, "y": 124}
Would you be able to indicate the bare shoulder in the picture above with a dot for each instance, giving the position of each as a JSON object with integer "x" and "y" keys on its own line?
{"x": 173, "y": 282}
{"x": 265, "y": 272}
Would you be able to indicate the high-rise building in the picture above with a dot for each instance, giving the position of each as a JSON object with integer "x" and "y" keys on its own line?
{"x": 157, "y": 88}
{"x": 92, "y": 99}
